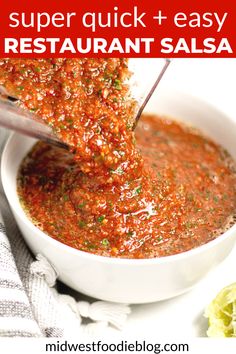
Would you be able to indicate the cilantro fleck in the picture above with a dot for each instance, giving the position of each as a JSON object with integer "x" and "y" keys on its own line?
{"x": 105, "y": 242}
{"x": 81, "y": 223}
{"x": 130, "y": 233}
{"x": 107, "y": 77}
{"x": 138, "y": 190}
{"x": 129, "y": 125}
{"x": 81, "y": 205}
{"x": 101, "y": 218}
{"x": 117, "y": 84}
{"x": 118, "y": 171}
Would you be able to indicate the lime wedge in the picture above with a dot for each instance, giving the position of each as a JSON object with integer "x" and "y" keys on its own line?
{"x": 222, "y": 313}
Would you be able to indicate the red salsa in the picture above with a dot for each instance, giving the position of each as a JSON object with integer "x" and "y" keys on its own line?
{"x": 166, "y": 190}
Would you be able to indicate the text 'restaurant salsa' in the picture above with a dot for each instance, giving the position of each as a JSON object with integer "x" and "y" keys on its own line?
{"x": 172, "y": 192}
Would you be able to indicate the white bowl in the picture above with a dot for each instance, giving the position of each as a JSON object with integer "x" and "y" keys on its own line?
{"x": 127, "y": 280}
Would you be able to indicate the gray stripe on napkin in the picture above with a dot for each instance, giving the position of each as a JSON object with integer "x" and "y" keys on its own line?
{"x": 16, "y": 333}
{"x": 10, "y": 284}
{"x": 10, "y": 278}
{"x": 38, "y": 306}
{"x": 15, "y": 309}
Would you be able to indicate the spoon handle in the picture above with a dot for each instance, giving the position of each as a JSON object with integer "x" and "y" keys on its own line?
{"x": 24, "y": 122}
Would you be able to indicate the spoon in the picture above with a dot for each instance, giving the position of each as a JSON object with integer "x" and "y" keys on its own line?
{"x": 15, "y": 118}
{"x": 23, "y": 121}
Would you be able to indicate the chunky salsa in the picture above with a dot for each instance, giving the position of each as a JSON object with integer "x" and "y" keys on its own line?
{"x": 86, "y": 102}
{"x": 165, "y": 190}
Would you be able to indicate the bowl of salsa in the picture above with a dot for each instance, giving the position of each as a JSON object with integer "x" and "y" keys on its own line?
{"x": 138, "y": 252}
{"x": 123, "y": 215}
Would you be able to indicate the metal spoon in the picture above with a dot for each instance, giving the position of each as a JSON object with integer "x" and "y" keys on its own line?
{"x": 18, "y": 119}
{"x": 23, "y": 121}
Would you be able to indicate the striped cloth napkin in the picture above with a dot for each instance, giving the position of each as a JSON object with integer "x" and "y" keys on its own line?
{"x": 30, "y": 304}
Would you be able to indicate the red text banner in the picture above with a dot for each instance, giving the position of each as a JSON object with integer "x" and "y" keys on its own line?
{"x": 73, "y": 28}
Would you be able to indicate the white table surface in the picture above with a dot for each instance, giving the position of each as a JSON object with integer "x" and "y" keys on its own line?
{"x": 215, "y": 81}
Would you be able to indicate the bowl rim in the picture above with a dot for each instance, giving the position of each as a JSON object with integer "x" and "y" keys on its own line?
{"x": 112, "y": 260}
